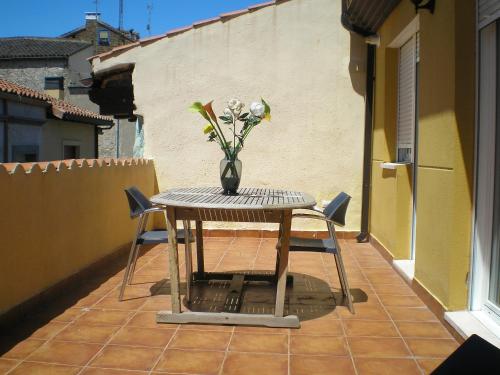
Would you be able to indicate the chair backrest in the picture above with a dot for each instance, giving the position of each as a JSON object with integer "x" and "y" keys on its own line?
{"x": 137, "y": 202}
{"x": 337, "y": 208}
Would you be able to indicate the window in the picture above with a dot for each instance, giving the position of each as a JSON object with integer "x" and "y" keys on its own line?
{"x": 23, "y": 142}
{"x": 407, "y": 72}
{"x": 103, "y": 38}
{"x": 71, "y": 152}
{"x": 54, "y": 83}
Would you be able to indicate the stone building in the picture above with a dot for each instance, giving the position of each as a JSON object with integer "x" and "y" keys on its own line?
{"x": 119, "y": 140}
{"x": 58, "y": 66}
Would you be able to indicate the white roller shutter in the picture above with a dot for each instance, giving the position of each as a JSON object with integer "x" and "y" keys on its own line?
{"x": 406, "y": 101}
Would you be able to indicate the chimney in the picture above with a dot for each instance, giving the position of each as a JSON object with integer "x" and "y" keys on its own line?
{"x": 92, "y": 16}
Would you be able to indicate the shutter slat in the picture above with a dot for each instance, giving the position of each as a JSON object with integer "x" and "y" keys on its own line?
{"x": 406, "y": 101}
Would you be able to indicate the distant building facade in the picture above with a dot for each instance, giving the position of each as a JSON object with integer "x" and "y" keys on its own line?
{"x": 57, "y": 66}
{"x": 35, "y": 126}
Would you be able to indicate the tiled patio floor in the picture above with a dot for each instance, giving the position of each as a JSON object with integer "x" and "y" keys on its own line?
{"x": 89, "y": 332}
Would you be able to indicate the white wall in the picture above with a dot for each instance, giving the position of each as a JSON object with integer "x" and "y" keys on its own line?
{"x": 55, "y": 132}
{"x": 299, "y": 58}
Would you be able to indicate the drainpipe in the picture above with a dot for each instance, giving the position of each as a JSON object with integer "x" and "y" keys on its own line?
{"x": 118, "y": 138}
{"x": 367, "y": 152}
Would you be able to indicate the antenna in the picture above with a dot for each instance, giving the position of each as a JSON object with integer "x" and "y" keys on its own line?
{"x": 96, "y": 2}
{"x": 120, "y": 15}
{"x": 150, "y": 10}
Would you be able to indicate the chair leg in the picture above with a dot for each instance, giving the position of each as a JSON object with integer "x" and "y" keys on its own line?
{"x": 346, "y": 291}
{"x": 188, "y": 258}
{"x": 130, "y": 258}
{"x": 137, "y": 250}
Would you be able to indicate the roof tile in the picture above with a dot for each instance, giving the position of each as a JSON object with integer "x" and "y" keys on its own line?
{"x": 60, "y": 108}
{"x": 37, "y": 47}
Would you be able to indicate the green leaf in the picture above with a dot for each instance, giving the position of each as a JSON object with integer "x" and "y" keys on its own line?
{"x": 243, "y": 116}
{"x": 226, "y": 118}
{"x": 198, "y": 107}
{"x": 267, "y": 109}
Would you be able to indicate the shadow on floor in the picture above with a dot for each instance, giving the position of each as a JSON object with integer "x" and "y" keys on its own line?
{"x": 308, "y": 298}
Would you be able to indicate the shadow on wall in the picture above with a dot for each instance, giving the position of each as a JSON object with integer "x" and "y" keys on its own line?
{"x": 357, "y": 63}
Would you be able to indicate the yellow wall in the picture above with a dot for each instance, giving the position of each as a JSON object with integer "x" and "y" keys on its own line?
{"x": 445, "y": 146}
{"x": 54, "y": 223}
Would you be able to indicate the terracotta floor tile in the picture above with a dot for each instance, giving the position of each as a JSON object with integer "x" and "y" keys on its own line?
{"x": 80, "y": 332}
{"x": 414, "y": 314}
{"x": 109, "y": 371}
{"x": 7, "y": 364}
{"x": 322, "y": 327}
{"x": 399, "y": 289}
{"x": 330, "y": 345}
{"x": 402, "y": 301}
{"x": 125, "y": 357}
{"x": 365, "y": 312}
{"x": 423, "y": 329}
{"x": 205, "y": 327}
{"x": 105, "y": 317}
{"x": 259, "y": 343}
{"x": 434, "y": 348}
{"x": 429, "y": 365}
{"x": 191, "y": 362}
{"x": 320, "y": 365}
{"x": 386, "y": 366}
{"x": 87, "y": 301}
{"x": 127, "y": 304}
{"x": 266, "y": 330}
{"x": 48, "y": 330}
{"x": 203, "y": 340}
{"x": 22, "y": 349}
{"x": 378, "y": 347}
{"x": 147, "y": 319}
{"x": 157, "y": 303}
{"x": 370, "y": 328}
{"x": 68, "y": 315}
{"x": 44, "y": 369}
{"x": 67, "y": 353}
{"x": 143, "y": 336}
{"x": 252, "y": 363}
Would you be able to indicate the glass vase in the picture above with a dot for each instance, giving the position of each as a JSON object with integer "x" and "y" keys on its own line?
{"x": 230, "y": 175}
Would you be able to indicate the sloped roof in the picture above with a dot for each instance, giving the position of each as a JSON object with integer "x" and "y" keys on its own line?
{"x": 366, "y": 16}
{"x": 125, "y": 33}
{"x": 171, "y": 33}
{"x": 59, "y": 108}
{"x": 37, "y": 47}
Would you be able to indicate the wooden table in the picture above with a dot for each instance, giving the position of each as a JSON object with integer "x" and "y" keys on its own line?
{"x": 250, "y": 205}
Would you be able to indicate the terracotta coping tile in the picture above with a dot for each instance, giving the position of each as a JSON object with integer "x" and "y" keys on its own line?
{"x": 207, "y": 21}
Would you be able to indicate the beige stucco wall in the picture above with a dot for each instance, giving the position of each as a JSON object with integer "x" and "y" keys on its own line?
{"x": 299, "y": 58}
{"x": 56, "y": 132}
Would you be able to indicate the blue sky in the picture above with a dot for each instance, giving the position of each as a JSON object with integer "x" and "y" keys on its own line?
{"x": 55, "y": 17}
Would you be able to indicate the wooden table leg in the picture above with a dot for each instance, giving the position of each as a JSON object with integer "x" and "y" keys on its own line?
{"x": 278, "y": 247}
{"x": 200, "y": 261}
{"x": 286, "y": 227}
{"x": 173, "y": 259}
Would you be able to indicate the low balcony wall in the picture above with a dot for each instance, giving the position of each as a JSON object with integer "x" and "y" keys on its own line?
{"x": 58, "y": 218}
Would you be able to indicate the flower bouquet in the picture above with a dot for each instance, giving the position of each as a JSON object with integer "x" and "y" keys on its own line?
{"x": 230, "y": 166}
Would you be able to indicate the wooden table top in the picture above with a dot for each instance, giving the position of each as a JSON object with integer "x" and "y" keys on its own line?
{"x": 247, "y": 198}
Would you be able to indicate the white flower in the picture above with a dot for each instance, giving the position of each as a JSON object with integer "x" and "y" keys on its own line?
{"x": 257, "y": 109}
{"x": 228, "y": 113}
{"x": 235, "y": 105}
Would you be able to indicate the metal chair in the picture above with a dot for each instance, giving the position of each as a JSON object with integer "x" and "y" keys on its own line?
{"x": 141, "y": 207}
{"x": 332, "y": 214}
